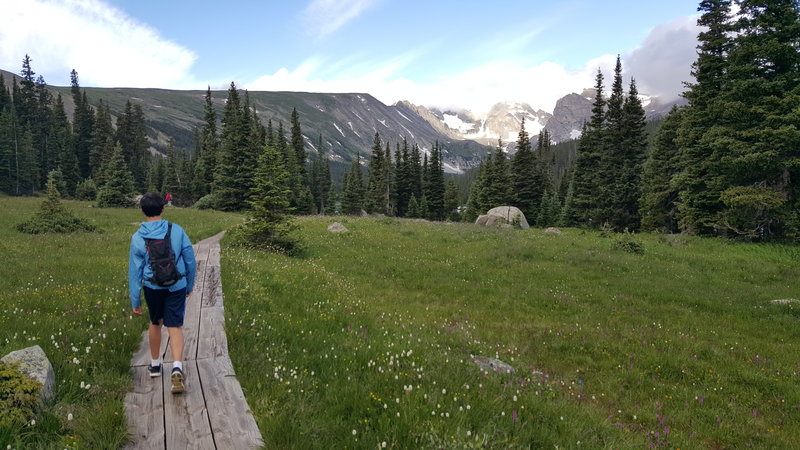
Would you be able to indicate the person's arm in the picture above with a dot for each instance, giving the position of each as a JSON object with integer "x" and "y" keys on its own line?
{"x": 135, "y": 275}
{"x": 187, "y": 253}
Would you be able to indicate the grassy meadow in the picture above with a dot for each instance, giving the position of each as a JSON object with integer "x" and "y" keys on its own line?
{"x": 366, "y": 341}
{"x": 68, "y": 294}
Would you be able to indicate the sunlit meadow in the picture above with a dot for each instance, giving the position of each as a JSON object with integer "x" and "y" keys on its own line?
{"x": 366, "y": 341}
{"x": 68, "y": 294}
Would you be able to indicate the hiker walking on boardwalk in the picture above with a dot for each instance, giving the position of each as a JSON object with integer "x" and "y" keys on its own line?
{"x": 162, "y": 259}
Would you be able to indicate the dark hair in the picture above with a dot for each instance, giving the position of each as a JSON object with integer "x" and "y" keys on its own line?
{"x": 152, "y": 204}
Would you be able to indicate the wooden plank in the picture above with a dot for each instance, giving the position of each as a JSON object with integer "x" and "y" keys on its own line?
{"x": 231, "y": 421}
{"x": 212, "y": 341}
{"x": 144, "y": 408}
{"x": 185, "y": 415}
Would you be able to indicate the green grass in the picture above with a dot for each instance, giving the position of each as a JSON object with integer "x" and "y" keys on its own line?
{"x": 68, "y": 294}
{"x": 368, "y": 338}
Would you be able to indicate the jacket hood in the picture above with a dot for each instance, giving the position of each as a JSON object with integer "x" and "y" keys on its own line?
{"x": 153, "y": 230}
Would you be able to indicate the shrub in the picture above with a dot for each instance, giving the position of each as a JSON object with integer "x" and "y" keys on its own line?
{"x": 54, "y": 217}
{"x": 86, "y": 190}
{"x": 628, "y": 244}
{"x": 19, "y": 396}
{"x": 210, "y": 201}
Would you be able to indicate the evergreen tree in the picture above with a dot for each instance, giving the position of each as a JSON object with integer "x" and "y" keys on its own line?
{"x": 376, "y": 189}
{"x": 208, "y": 147}
{"x": 435, "y": 185}
{"x": 527, "y": 178}
{"x": 549, "y": 210}
{"x": 451, "y": 201}
{"x": 118, "y": 189}
{"x": 83, "y": 125}
{"x": 53, "y": 216}
{"x": 298, "y": 146}
{"x": 585, "y": 187}
{"x": 103, "y": 138}
{"x": 424, "y": 211}
{"x": 632, "y": 151}
{"x": 66, "y": 159}
{"x": 353, "y": 192}
{"x": 496, "y": 186}
{"x": 659, "y": 195}
{"x": 413, "y": 211}
{"x": 320, "y": 180}
{"x": 269, "y": 226}
{"x": 232, "y": 180}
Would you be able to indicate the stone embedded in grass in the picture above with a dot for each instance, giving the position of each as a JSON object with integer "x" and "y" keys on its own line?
{"x": 34, "y": 364}
{"x": 552, "y": 230}
{"x": 784, "y": 301}
{"x": 337, "y": 227}
{"x": 493, "y": 364}
{"x": 503, "y": 215}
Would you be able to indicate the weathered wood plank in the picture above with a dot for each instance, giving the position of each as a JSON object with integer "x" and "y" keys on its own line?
{"x": 212, "y": 341}
{"x": 231, "y": 421}
{"x": 185, "y": 415}
{"x": 144, "y": 408}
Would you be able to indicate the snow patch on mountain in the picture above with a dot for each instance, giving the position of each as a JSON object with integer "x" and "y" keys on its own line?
{"x": 455, "y": 123}
{"x": 339, "y": 129}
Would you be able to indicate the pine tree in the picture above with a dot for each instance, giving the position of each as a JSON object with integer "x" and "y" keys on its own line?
{"x": 102, "y": 134}
{"x": 375, "y": 201}
{"x": 414, "y": 211}
{"x": 66, "y": 159}
{"x": 83, "y": 125}
{"x": 527, "y": 178}
{"x": 659, "y": 195}
{"x": 208, "y": 147}
{"x": 496, "y": 185}
{"x": 353, "y": 192}
{"x": 118, "y": 189}
{"x": 435, "y": 186}
{"x": 586, "y": 185}
{"x": 53, "y": 216}
{"x": 233, "y": 178}
{"x": 451, "y": 201}
{"x": 633, "y": 151}
{"x": 269, "y": 226}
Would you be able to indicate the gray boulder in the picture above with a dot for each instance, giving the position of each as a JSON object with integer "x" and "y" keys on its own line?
{"x": 493, "y": 364}
{"x": 35, "y": 365}
{"x": 503, "y": 216}
{"x": 553, "y": 230}
{"x": 337, "y": 227}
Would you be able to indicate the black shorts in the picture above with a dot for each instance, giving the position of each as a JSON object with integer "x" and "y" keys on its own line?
{"x": 166, "y": 305}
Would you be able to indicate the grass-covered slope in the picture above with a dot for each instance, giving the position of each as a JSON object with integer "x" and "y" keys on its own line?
{"x": 368, "y": 339}
{"x": 68, "y": 294}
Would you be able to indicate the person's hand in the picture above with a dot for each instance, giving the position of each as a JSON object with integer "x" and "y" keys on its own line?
{"x": 137, "y": 310}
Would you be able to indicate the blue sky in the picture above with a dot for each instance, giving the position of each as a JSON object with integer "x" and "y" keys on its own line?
{"x": 458, "y": 54}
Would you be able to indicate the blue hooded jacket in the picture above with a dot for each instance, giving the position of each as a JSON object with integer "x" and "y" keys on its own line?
{"x": 139, "y": 270}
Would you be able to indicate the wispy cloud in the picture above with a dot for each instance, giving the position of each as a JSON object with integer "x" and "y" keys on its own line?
{"x": 105, "y": 46}
{"x": 326, "y": 16}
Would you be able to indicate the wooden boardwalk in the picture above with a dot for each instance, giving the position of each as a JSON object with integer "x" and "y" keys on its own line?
{"x": 212, "y": 413}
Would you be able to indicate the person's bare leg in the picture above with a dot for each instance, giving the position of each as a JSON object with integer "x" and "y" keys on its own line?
{"x": 154, "y": 336}
{"x": 176, "y": 342}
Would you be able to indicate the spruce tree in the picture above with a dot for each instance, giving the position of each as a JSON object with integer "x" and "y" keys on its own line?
{"x": 118, "y": 189}
{"x": 435, "y": 185}
{"x": 451, "y": 201}
{"x": 53, "y": 216}
{"x": 496, "y": 186}
{"x": 582, "y": 207}
{"x": 659, "y": 194}
{"x": 208, "y": 147}
{"x": 269, "y": 226}
{"x": 232, "y": 180}
{"x": 83, "y": 126}
{"x": 633, "y": 151}
{"x": 375, "y": 201}
{"x": 527, "y": 179}
{"x": 353, "y": 191}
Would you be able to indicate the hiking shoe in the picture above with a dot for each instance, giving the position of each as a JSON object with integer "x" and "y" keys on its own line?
{"x": 155, "y": 371}
{"x": 177, "y": 381}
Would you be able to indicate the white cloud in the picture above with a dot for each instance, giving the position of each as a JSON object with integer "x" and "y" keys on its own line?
{"x": 104, "y": 45}
{"x": 476, "y": 89}
{"x": 663, "y": 62}
{"x": 326, "y": 16}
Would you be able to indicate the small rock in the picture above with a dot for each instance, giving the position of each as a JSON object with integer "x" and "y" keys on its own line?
{"x": 493, "y": 364}
{"x": 337, "y": 227}
{"x": 784, "y": 301}
{"x": 553, "y": 230}
{"x": 35, "y": 365}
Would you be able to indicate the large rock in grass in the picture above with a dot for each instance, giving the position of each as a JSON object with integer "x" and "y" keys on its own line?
{"x": 337, "y": 227}
{"x": 35, "y": 365}
{"x": 503, "y": 215}
{"x": 493, "y": 365}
